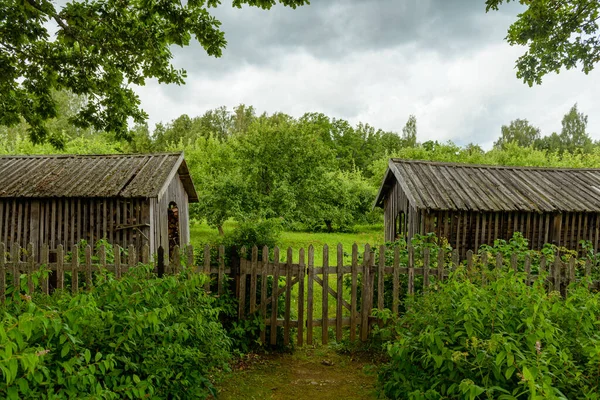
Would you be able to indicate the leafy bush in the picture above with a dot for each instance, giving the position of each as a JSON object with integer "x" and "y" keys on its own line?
{"x": 504, "y": 340}
{"x": 136, "y": 337}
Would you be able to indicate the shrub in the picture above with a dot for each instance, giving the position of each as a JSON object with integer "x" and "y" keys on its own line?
{"x": 504, "y": 340}
{"x": 136, "y": 337}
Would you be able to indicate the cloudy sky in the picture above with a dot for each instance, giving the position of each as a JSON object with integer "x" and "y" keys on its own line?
{"x": 376, "y": 61}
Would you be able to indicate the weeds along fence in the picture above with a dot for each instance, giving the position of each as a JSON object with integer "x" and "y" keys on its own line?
{"x": 77, "y": 272}
{"x": 306, "y": 301}
{"x": 345, "y": 295}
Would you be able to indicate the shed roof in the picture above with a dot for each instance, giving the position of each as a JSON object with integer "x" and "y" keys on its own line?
{"x": 113, "y": 175}
{"x": 470, "y": 187}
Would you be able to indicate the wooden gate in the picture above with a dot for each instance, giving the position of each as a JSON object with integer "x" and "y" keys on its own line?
{"x": 311, "y": 288}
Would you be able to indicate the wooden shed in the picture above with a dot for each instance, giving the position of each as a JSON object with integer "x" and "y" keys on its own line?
{"x": 471, "y": 205}
{"x": 126, "y": 199}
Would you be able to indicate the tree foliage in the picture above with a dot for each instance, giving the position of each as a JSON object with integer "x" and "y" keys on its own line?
{"x": 557, "y": 34}
{"x": 519, "y": 131}
{"x": 101, "y": 48}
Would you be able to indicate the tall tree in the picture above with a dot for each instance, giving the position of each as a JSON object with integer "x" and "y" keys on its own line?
{"x": 409, "y": 132}
{"x": 101, "y": 48}
{"x": 574, "y": 134}
{"x": 557, "y": 34}
{"x": 519, "y": 131}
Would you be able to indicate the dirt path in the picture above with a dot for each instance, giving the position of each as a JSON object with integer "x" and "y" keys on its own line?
{"x": 311, "y": 374}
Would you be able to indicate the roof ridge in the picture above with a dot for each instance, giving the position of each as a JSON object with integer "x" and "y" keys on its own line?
{"x": 490, "y": 166}
{"x": 108, "y": 155}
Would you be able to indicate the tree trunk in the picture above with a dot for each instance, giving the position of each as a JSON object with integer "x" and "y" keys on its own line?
{"x": 329, "y": 226}
{"x": 220, "y": 228}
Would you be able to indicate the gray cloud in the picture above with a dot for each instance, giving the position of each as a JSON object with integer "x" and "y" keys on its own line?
{"x": 375, "y": 62}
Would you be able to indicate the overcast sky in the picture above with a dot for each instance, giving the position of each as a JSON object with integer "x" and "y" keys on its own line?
{"x": 377, "y": 62}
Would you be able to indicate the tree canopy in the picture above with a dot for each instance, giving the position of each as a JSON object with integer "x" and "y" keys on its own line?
{"x": 100, "y": 49}
{"x": 557, "y": 34}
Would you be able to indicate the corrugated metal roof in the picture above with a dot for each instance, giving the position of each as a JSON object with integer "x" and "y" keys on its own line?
{"x": 468, "y": 187}
{"x": 119, "y": 175}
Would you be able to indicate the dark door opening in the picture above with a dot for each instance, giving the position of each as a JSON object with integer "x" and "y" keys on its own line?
{"x": 173, "y": 214}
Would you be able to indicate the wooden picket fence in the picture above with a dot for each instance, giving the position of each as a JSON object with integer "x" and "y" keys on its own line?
{"x": 297, "y": 281}
{"x": 356, "y": 289}
{"x": 15, "y": 261}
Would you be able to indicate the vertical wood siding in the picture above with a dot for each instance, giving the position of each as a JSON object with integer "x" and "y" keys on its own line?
{"x": 466, "y": 230}
{"x": 66, "y": 221}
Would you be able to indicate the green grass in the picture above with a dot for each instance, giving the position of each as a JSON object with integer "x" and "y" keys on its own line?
{"x": 371, "y": 234}
{"x": 363, "y": 234}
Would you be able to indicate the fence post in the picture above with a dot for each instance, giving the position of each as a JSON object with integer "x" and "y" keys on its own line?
{"x": 160, "y": 266}
{"x": 365, "y": 310}
{"x": 45, "y": 261}
{"x": 60, "y": 267}
{"x": 74, "y": 266}
{"x": 88, "y": 267}
{"x": 325, "y": 297}
{"x": 2, "y": 273}
{"x": 234, "y": 258}
{"x": 117, "y": 251}
{"x": 15, "y": 259}
{"x": 30, "y": 268}
{"x": 207, "y": 266}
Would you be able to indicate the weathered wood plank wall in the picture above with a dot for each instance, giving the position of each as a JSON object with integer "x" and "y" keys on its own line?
{"x": 66, "y": 221}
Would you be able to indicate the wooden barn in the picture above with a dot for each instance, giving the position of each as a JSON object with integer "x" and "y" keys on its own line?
{"x": 125, "y": 199}
{"x": 471, "y": 205}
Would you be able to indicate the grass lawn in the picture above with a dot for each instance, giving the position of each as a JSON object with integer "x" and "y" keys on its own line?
{"x": 363, "y": 234}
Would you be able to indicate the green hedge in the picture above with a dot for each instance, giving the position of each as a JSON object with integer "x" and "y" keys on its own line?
{"x": 137, "y": 337}
{"x": 505, "y": 340}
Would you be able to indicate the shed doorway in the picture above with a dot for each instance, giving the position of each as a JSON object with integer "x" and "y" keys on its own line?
{"x": 173, "y": 216}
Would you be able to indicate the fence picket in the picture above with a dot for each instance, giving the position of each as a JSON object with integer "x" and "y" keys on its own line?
{"x": 288, "y": 298}
{"x": 301, "y": 273}
{"x": 366, "y": 293}
{"x": 253, "y": 279}
{"x": 221, "y": 273}
{"x": 16, "y": 259}
{"x": 588, "y": 271}
{"x": 556, "y": 267}
{"x": 426, "y": 254}
{"x": 513, "y": 262}
{"x": 484, "y": 268}
{"x": 117, "y": 251}
{"x": 60, "y": 268}
{"x": 207, "y": 266}
{"x": 274, "y": 296}
{"x": 242, "y": 289}
{"x": 175, "y": 264}
{"x": 455, "y": 260}
{"x": 74, "y": 265}
{"x": 353, "y": 292}
{"x": 527, "y": 268}
{"x": 325, "y": 298}
{"x": 88, "y": 267}
{"x": 146, "y": 255}
{"x": 2, "y": 273}
{"x": 499, "y": 261}
{"x": 470, "y": 264}
{"x": 411, "y": 270}
{"x": 380, "y": 280}
{"x": 310, "y": 294}
{"x": 396, "y": 281}
{"x": 263, "y": 290}
{"x": 340, "y": 292}
{"x": 440, "y": 264}
{"x": 44, "y": 259}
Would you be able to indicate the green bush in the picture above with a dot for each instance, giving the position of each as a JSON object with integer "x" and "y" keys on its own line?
{"x": 137, "y": 337}
{"x": 504, "y": 340}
